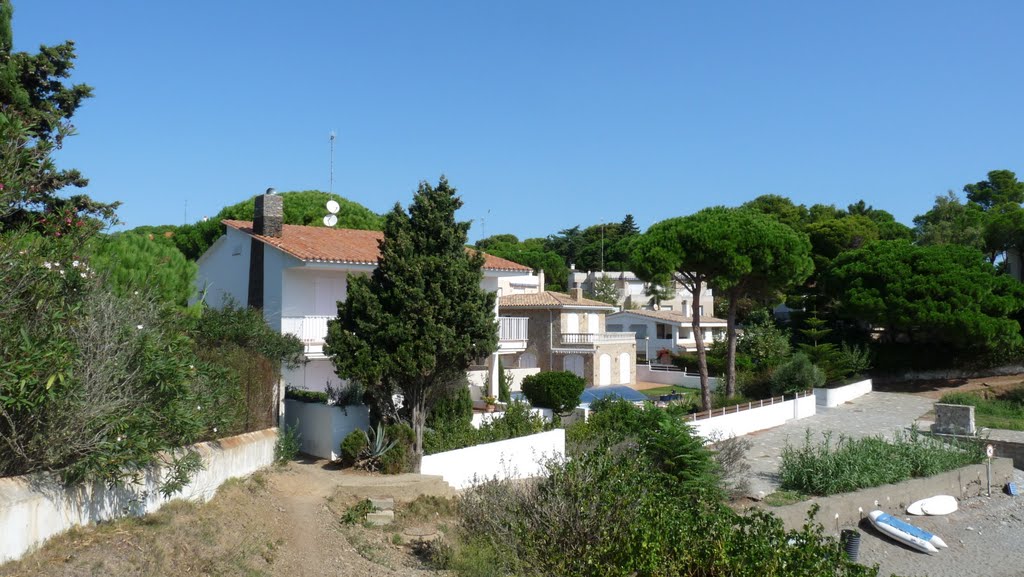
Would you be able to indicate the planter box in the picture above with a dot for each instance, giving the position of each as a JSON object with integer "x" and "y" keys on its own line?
{"x": 322, "y": 427}
{"x": 839, "y": 395}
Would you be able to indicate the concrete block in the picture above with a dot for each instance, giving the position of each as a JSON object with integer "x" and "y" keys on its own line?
{"x": 953, "y": 419}
{"x": 382, "y": 503}
{"x": 380, "y": 518}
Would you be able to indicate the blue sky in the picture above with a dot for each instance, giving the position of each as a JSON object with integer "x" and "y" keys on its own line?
{"x": 543, "y": 114}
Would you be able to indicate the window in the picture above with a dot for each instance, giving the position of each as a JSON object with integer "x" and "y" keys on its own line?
{"x": 527, "y": 361}
{"x": 614, "y": 328}
{"x": 664, "y": 331}
{"x": 666, "y": 307}
{"x": 701, "y": 313}
{"x": 640, "y": 330}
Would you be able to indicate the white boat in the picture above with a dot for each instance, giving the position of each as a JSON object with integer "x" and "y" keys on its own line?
{"x": 906, "y": 533}
{"x": 937, "y": 505}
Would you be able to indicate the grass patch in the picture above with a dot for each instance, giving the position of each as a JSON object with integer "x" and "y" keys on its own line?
{"x": 689, "y": 395}
{"x": 850, "y": 464}
{"x": 1003, "y": 412}
{"x": 783, "y": 498}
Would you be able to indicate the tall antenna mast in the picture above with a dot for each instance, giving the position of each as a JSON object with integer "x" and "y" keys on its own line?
{"x": 332, "y": 137}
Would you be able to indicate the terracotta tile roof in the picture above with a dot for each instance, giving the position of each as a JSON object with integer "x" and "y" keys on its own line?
{"x": 673, "y": 317}
{"x": 549, "y": 300}
{"x": 341, "y": 245}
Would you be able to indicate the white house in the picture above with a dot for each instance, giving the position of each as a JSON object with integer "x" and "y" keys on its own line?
{"x": 631, "y": 291}
{"x": 297, "y": 275}
{"x": 671, "y": 330}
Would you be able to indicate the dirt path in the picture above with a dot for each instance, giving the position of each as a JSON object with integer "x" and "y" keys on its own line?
{"x": 280, "y": 522}
{"x": 935, "y": 389}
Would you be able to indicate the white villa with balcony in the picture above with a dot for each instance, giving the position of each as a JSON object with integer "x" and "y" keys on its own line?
{"x": 567, "y": 333}
{"x": 665, "y": 330}
{"x": 305, "y": 273}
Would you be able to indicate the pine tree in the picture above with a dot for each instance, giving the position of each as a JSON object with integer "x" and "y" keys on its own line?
{"x": 628, "y": 226}
{"x": 37, "y": 102}
{"x": 419, "y": 320}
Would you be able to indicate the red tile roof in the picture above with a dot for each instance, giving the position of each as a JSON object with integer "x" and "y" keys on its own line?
{"x": 548, "y": 300}
{"x": 341, "y": 245}
{"x": 673, "y": 317}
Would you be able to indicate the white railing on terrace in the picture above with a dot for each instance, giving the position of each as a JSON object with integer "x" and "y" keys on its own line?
{"x": 590, "y": 339}
{"x": 513, "y": 328}
{"x": 310, "y": 329}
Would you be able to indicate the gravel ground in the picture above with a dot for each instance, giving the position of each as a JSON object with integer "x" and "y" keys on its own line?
{"x": 985, "y": 538}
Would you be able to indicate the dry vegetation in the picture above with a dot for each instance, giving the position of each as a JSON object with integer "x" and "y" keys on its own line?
{"x": 284, "y": 522}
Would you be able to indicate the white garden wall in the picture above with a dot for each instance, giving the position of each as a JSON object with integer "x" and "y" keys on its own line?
{"x": 519, "y": 458}
{"x": 644, "y": 373}
{"x": 322, "y": 427}
{"x": 35, "y": 507}
{"x": 736, "y": 423}
{"x": 839, "y": 395}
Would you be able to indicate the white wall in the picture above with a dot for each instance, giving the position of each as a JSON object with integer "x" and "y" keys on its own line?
{"x": 519, "y": 458}
{"x": 34, "y": 508}
{"x": 322, "y": 427}
{"x": 839, "y": 395}
{"x": 479, "y": 378}
{"x": 677, "y": 378}
{"x": 736, "y": 424}
{"x": 222, "y": 272}
{"x": 313, "y": 375}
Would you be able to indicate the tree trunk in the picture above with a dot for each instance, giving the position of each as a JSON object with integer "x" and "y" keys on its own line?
{"x": 730, "y": 355}
{"x": 702, "y": 357}
{"x": 419, "y": 421}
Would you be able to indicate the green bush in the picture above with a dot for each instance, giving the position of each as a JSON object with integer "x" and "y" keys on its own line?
{"x": 456, "y": 406}
{"x": 795, "y": 375}
{"x": 516, "y": 421}
{"x": 851, "y": 464}
{"x": 305, "y": 396}
{"x": 398, "y": 459}
{"x": 640, "y": 508}
{"x": 287, "y": 446}
{"x": 352, "y": 446}
{"x": 556, "y": 390}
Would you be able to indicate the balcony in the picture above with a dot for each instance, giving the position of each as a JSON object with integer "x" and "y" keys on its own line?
{"x": 513, "y": 333}
{"x": 311, "y": 330}
{"x": 592, "y": 340}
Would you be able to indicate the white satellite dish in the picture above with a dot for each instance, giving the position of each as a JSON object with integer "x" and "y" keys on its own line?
{"x": 333, "y": 207}
{"x": 330, "y": 220}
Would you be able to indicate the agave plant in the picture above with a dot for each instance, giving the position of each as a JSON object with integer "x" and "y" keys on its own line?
{"x": 377, "y": 446}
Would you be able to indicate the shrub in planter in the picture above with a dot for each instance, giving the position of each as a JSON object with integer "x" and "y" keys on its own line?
{"x": 352, "y": 446}
{"x": 305, "y": 396}
{"x": 556, "y": 390}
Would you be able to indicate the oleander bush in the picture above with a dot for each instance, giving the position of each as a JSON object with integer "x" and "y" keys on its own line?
{"x": 827, "y": 468}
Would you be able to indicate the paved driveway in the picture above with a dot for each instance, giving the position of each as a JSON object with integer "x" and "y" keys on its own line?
{"x": 873, "y": 414}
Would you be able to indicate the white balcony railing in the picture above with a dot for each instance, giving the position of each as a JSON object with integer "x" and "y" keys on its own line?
{"x": 592, "y": 339}
{"x": 513, "y": 329}
{"x": 311, "y": 330}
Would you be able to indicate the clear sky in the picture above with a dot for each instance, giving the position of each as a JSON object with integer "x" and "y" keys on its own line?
{"x": 544, "y": 114}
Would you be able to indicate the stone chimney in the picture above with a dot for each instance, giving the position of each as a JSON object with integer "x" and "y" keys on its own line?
{"x": 268, "y": 216}
{"x": 267, "y": 220}
{"x": 576, "y": 293}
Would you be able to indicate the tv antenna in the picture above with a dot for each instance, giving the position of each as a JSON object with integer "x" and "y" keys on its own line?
{"x": 332, "y": 136}
{"x": 332, "y": 218}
